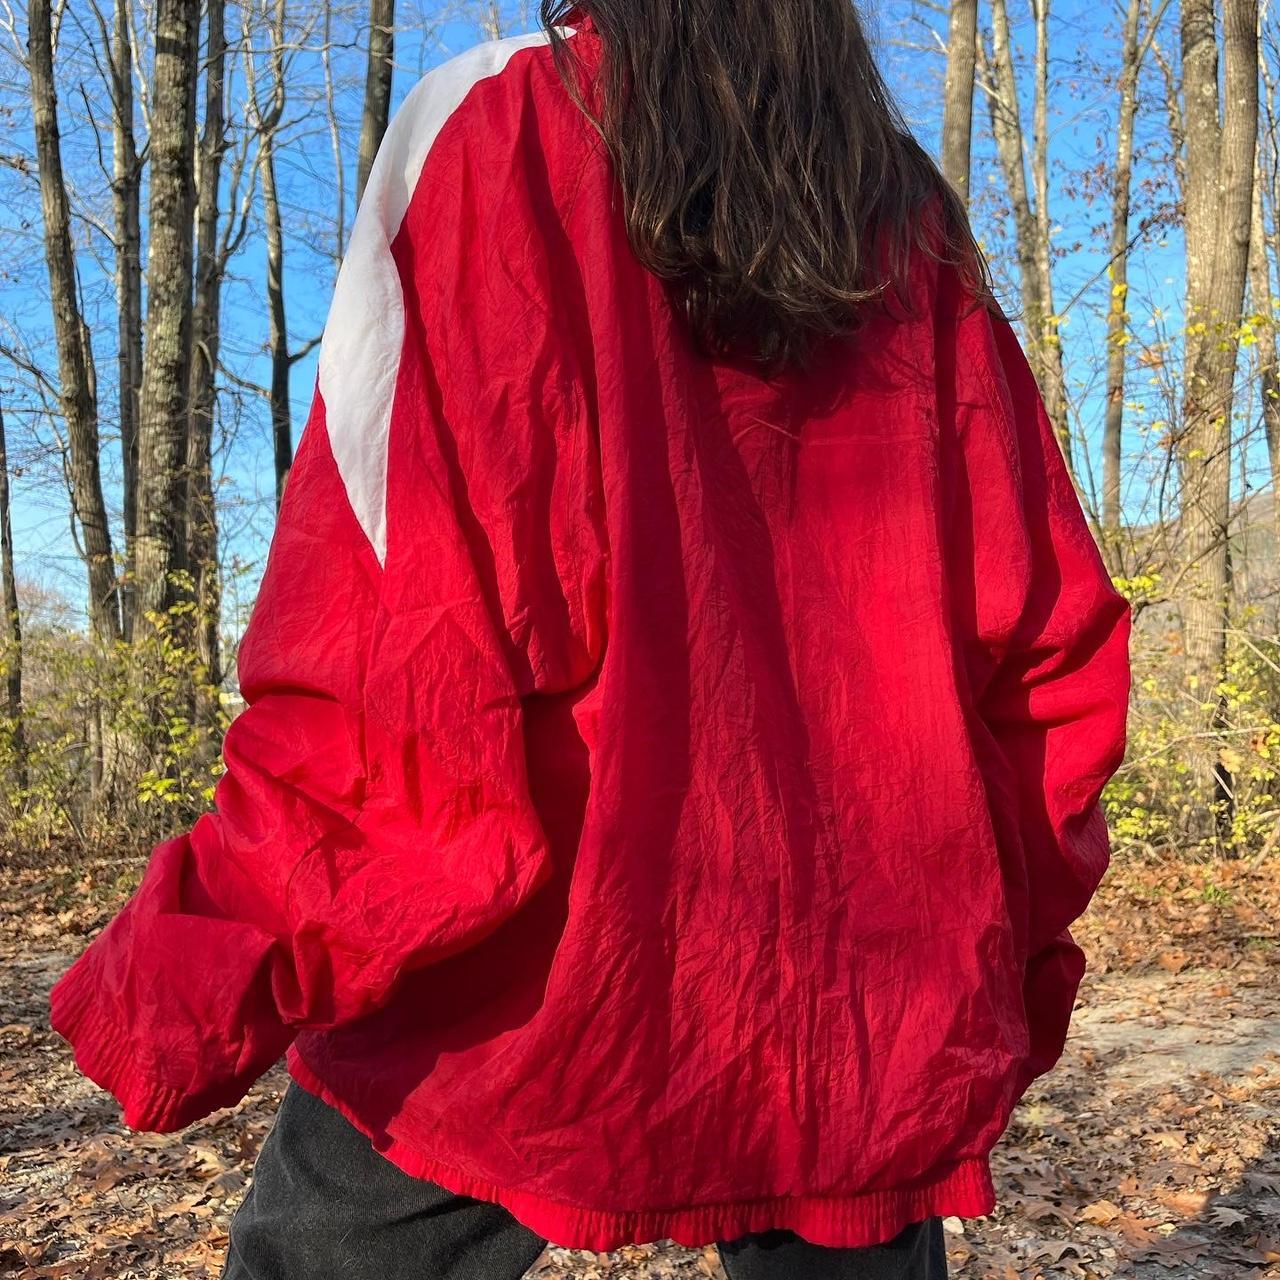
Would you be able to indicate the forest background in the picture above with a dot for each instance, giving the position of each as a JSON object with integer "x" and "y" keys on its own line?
{"x": 178, "y": 180}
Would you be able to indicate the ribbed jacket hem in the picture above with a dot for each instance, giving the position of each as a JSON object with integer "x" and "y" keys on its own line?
{"x": 965, "y": 1190}
{"x": 104, "y": 1054}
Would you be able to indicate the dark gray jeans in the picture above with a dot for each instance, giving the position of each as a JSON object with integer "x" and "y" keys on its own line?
{"x": 323, "y": 1204}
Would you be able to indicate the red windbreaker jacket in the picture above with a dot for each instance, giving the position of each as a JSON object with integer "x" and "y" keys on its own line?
{"x": 663, "y": 793}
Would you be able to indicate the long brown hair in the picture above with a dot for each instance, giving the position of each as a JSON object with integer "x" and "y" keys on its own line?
{"x": 766, "y": 171}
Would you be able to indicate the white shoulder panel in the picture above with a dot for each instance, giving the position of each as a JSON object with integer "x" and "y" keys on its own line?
{"x": 364, "y": 329}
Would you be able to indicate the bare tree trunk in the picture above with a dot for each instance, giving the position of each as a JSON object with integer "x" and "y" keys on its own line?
{"x": 335, "y": 140}
{"x": 1006, "y": 125}
{"x": 957, "y": 94}
{"x": 1118, "y": 314}
{"x": 266, "y": 122}
{"x": 491, "y": 20}
{"x": 377, "y": 86}
{"x": 1054, "y": 384}
{"x": 162, "y": 433}
{"x": 13, "y": 625}
{"x": 1219, "y": 203}
{"x": 1202, "y": 140}
{"x": 126, "y": 191}
{"x": 202, "y": 535}
{"x": 1264, "y": 247}
{"x": 75, "y": 357}
{"x": 1031, "y": 225}
{"x": 1268, "y": 364}
{"x": 278, "y": 328}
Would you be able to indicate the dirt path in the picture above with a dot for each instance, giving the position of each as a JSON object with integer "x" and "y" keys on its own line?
{"x": 1152, "y": 1150}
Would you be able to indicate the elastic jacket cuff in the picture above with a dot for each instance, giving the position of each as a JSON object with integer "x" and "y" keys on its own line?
{"x": 104, "y": 1054}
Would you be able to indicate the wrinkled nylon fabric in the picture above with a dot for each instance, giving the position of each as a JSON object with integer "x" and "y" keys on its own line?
{"x": 663, "y": 795}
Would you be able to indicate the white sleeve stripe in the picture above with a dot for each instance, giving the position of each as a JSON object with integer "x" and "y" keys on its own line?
{"x": 364, "y": 330}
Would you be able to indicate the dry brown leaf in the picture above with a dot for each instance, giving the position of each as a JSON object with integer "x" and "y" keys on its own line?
{"x": 1101, "y": 1212}
{"x": 1137, "y": 1230}
{"x": 1225, "y": 1216}
{"x": 1186, "y": 1203}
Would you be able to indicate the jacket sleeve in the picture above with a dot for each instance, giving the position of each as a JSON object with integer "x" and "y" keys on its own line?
{"x": 374, "y": 814}
{"x": 1045, "y": 639}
